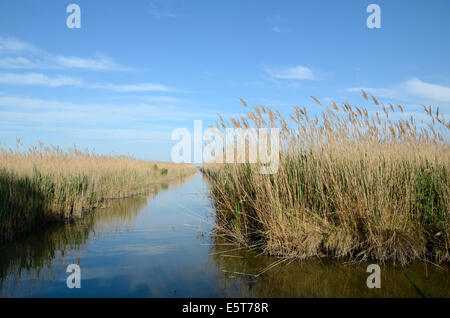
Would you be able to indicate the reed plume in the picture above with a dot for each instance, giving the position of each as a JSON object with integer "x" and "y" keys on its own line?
{"x": 351, "y": 183}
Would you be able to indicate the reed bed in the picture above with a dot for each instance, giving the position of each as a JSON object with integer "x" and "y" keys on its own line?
{"x": 352, "y": 184}
{"x": 39, "y": 185}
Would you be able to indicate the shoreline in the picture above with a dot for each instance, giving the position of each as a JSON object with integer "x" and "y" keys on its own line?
{"x": 50, "y": 187}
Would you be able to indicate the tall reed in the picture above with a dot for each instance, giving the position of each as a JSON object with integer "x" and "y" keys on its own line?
{"x": 354, "y": 184}
{"x": 44, "y": 184}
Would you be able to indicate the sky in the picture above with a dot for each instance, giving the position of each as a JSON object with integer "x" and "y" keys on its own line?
{"x": 136, "y": 70}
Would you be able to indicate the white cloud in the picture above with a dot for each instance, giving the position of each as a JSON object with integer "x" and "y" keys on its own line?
{"x": 101, "y": 63}
{"x": 379, "y": 92}
{"x": 57, "y": 81}
{"x": 140, "y": 87}
{"x": 16, "y": 63}
{"x": 294, "y": 73}
{"x": 413, "y": 90}
{"x": 38, "y": 79}
{"x": 124, "y": 122}
{"x": 13, "y": 45}
{"x": 27, "y": 56}
{"x": 163, "y": 99}
{"x": 22, "y": 109}
{"x": 18, "y": 54}
{"x": 424, "y": 90}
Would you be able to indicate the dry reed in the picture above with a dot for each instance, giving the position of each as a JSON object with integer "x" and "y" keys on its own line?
{"x": 43, "y": 184}
{"x": 354, "y": 184}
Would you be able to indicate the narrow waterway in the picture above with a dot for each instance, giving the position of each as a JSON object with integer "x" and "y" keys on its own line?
{"x": 160, "y": 246}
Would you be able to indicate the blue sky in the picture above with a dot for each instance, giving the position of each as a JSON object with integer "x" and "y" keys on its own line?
{"x": 136, "y": 70}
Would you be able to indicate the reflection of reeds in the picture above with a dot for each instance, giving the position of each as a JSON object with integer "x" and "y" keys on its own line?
{"x": 34, "y": 257}
{"x": 352, "y": 184}
{"x": 44, "y": 184}
{"x": 317, "y": 277}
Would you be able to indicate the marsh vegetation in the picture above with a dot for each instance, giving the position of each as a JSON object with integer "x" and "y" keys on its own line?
{"x": 353, "y": 184}
{"x": 41, "y": 185}
{"x": 158, "y": 246}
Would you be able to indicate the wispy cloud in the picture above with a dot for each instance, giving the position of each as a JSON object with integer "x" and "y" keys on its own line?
{"x": 61, "y": 112}
{"x": 38, "y": 79}
{"x": 298, "y": 72}
{"x": 130, "y": 122}
{"x": 140, "y": 87}
{"x": 101, "y": 63}
{"x": 14, "y": 45}
{"x": 18, "y": 54}
{"x": 413, "y": 90}
{"x": 58, "y": 81}
{"x": 164, "y": 99}
{"x": 427, "y": 90}
{"x": 17, "y": 63}
{"x": 162, "y": 9}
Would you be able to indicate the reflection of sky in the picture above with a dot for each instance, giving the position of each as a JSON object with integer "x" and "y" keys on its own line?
{"x": 160, "y": 254}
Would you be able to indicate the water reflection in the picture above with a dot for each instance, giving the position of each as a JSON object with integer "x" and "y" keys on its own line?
{"x": 28, "y": 264}
{"x": 158, "y": 246}
{"x": 319, "y": 277}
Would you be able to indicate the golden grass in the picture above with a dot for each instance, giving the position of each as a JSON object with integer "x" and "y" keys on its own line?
{"x": 354, "y": 184}
{"x": 42, "y": 184}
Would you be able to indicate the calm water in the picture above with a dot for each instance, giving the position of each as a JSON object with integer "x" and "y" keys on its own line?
{"x": 160, "y": 246}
